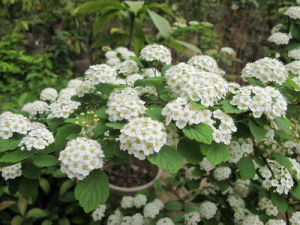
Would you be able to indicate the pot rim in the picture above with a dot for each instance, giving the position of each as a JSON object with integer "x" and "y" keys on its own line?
{"x": 137, "y": 188}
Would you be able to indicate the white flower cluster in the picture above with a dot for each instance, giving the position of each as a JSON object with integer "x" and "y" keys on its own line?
{"x": 294, "y": 67}
{"x": 189, "y": 173}
{"x": 240, "y": 148}
{"x": 266, "y": 205}
{"x": 172, "y": 135}
{"x": 205, "y": 63}
{"x": 260, "y": 100}
{"x": 115, "y": 219}
{"x": 165, "y": 221}
{"x": 293, "y": 12}
{"x": 142, "y": 137}
{"x": 267, "y": 70}
{"x": 100, "y": 73}
{"x": 294, "y": 53}
{"x": 131, "y": 220}
{"x": 206, "y": 165}
{"x": 279, "y": 38}
{"x": 133, "y": 78}
{"x": 295, "y": 218}
{"x": 222, "y": 173}
{"x": 65, "y": 94}
{"x": 124, "y": 104}
{"x": 155, "y": 52}
{"x": 295, "y": 168}
{"x": 11, "y": 172}
{"x": 124, "y": 52}
{"x": 227, "y": 51}
{"x": 275, "y": 222}
{"x": 151, "y": 72}
{"x": 278, "y": 179}
{"x": 138, "y": 201}
{"x": 38, "y": 139}
{"x": 115, "y": 57}
{"x": 36, "y": 108}
{"x": 80, "y": 157}
{"x": 99, "y": 213}
{"x": 127, "y": 67}
{"x": 235, "y": 201}
{"x": 48, "y": 94}
{"x": 13, "y": 123}
{"x": 146, "y": 90}
{"x": 36, "y": 125}
{"x": 62, "y": 109}
{"x": 192, "y": 218}
{"x": 241, "y": 187}
{"x": 208, "y": 209}
{"x": 74, "y": 83}
{"x": 151, "y": 210}
{"x": 252, "y": 219}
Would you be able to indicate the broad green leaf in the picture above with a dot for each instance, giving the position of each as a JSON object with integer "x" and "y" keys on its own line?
{"x": 173, "y": 205}
{"x": 135, "y": 6}
{"x": 228, "y": 108}
{"x": 64, "y": 221}
{"x": 8, "y": 144}
{"x": 92, "y": 191}
{"x": 62, "y": 134}
{"x": 45, "y": 161}
{"x": 101, "y": 112}
{"x": 246, "y": 168}
{"x": 201, "y": 133}
{"x": 292, "y": 45}
{"x": 44, "y": 184}
{"x": 103, "y": 20}
{"x": 99, "y": 129}
{"x": 190, "y": 207}
{"x": 292, "y": 84}
{"x": 28, "y": 187}
{"x": 284, "y": 136}
{"x": 167, "y": 158}
{"x": 254, "y": 81}
{"x": 295, "y": 31}
{"x": 66, "y": 185}
{"x": 15, "y": 156}
{"x": 215, "y": 152}
{"x": 22, "y": 205}
{"x": 283, "y": 123}
{"x": 16, "y": 220}
{"x": 161, "y": 24}
{"x": 36, "y": 213}
{"x": 163, "y": 7}
{"x": 155, "y": 113}
{"x": 257, "y": 131}
{"x": 279, "y": 201}
{"x": 30, "y": 171}
{"x": 296, "y": 191}
{"x": 188, "y": 45}
{"x": 106, "y": 88}
{"x": 97, "y": 6}
{"x": 152, "y": 81}
{"x": 116, "y": 126}
{"x": 197, "y": 105}
{"x": 115, "y": 37}
{"x": 282, "y": 160}
{"x": 190, "y": 151}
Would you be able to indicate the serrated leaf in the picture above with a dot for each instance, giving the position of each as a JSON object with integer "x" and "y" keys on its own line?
{"x": 45, "y": 161}
{"x": 197, "y": 105}
{"x": 92, "y": 191}
{"x": 215, "y": 152}
{"x": 201, "y": 133}
{"x": 257, "y": 131}
{"x": 282, "y": 160}
{"x": 279, "y": 201}
{"x": 15, "y": 156}
{"x": 190, "y": 150}
{"x": 283, "y": 124}
{"x": 155, "y": 113}
{"x": 173, "y": 205}
{"x": 167, "y": 158}
{"x": 246, "y": 168}
{"x": 8, "y": 144}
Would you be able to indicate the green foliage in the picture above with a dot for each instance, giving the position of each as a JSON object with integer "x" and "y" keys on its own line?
{"x": 215, "y": 152}
{"x": 246, "y": 168}
{"x": 201, "y": 133}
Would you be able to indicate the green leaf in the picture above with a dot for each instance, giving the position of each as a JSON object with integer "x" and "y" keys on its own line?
{"x": 62, "y": 134}
{"x": 190, "y": 207}
{"x": 45, "y": 161}
{"x": 163, "y": 7}
{"x": 64, "y": 221}
{"x": 167, "y": 158}
{"x": 291, "y": 84}
{"x": 254, "y": 81}
{"x": 296, "y": 191}
{"x": 283, "y": 123}
{"x": 8, "y": 144}
{"x": 190, "y": 151}
{"x": 92, "y": 191}
{"x": 257, "y": 131}
{"x": 15, "y": 156}
{"x": 16, "y": 220}
{"x": 295, "y": 31}
{"x": 228, "y": 108}
{"x": 101, "y": 112}
{"x": 173, "y": 205}
{"x": 161, "y": 24}
{"x": 36, "y": 213}
{"x": 201, "y": 133}
{"x": 106, "y": 88}
{"x": 282, "y": 160}
{"x": 197, "y": 105}
{"x": 103, "y": 20}
{"x": 215, "y": 152}
{"x": 30, "y": 171}
{"x": 109, "y": 39}
{"x": 155, "y": 113}
{"x": 135, "y": 6}
{"x": 97, "y": 6}
{"x": 188, "y": 45}
{"x": 116, "y": 126}
{"x": 22, "y": 205}
{"x": 100, "y": 129}
{"x": 279, "y": 201}
{"x": 246, "y": 168}
{"x": 44, "y": 184}
{"x": 66, "y": 185}
{"x": 28, "y": 187}
{"x": 158, "y": 82}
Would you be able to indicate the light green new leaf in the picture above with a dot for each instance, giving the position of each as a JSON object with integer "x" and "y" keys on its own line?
{"x": 257, "y": 131}
{"x": 201, "y": 133}
{"x": 161, "y": 24}
{"x": 215, "y": 152}
{"x": 135, "y": 6}
{"x": 246, "y": 168}
{"x": 168, "y": 159}
{"x": 228, "y": 108}
{"x": 92, "y": 191}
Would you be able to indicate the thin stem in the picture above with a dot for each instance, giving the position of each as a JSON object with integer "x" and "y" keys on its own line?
{"x": 287, "y": 218}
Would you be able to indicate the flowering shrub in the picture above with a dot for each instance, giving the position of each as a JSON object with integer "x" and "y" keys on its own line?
{"x": 243, "y": 140}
